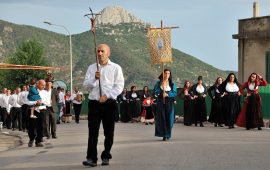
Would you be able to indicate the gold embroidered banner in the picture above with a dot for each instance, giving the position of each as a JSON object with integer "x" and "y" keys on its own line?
{"x": 159, "y": 42}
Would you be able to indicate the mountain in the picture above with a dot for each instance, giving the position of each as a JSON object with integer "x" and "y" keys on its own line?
{"x": 115, "y": 15}
{"x": 129, "y": 48}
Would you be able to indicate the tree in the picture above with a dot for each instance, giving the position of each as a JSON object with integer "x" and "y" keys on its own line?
{"x": 28, "y": 53}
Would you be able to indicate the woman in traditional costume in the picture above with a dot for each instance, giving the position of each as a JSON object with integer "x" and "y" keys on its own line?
{"x": 123, "y": 101}
{"x": 147, "y": 108}
{"x": 186, "y": 95}
{"x": 251, "y": 114}
{"x": 232, "y": 100}
{"x": 199, "y": 92}
{"x": 216, "y": 114}
{"x": 147, "y": 115}
{"x": 165, "y": 90}
{"x": 134, "y": 99}
{"x": 144, "y": 95}
{"x": 68, "y": 102}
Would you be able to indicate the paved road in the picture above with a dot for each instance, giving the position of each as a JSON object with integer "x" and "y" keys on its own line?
{"x": 135, "y": 148}
{"x": 9, "y": 140}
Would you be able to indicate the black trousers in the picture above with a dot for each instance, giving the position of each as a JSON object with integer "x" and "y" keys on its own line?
{"x": 35, "y": 129}
{"x": 100, "y": 112}
{"x": 24, "y": 116}
{"x": 6, "y": 118}
{"x": 50, "y": 122}
{"x": 77, "y": 111}
{"x": 16, "y": 115}
{"x": 1, "y": 117}
{"x": 46, "y": 124}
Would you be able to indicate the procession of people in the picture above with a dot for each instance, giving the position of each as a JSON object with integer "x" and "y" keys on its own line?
{"x": 39, "y": 107}
{"x": 36, "y": 109}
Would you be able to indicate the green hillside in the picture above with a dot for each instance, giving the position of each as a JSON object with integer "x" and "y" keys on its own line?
{"x": 128, "y": 44}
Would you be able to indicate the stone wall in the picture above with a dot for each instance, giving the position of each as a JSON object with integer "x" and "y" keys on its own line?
{"x": 253, "y": 43}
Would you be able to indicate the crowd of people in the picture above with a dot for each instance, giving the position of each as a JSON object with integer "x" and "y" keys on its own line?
{"x": 37, "y": 108}
{"x": 226, "y": 106}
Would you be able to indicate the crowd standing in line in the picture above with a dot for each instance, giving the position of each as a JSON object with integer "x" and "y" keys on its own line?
{"x": 38, "y": 107}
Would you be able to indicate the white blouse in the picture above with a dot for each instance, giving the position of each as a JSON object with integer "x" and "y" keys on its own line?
{"x": 134, "y": 95}
{"x": 251, "y": 86}
{"x": 200, "y": 89}
{"x": 167, "y": 88}
{"x": 232, "y": 87}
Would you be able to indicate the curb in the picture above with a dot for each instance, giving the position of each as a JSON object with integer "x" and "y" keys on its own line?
{"x": 9, "y": 141}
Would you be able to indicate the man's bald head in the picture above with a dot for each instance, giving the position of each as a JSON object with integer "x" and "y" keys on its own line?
{"x": 106, "y": 46}
{"x": 41, "y": 84}
{"x": 103, "y": 53}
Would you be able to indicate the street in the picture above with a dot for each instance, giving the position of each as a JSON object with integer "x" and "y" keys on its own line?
{"x": 135, "y": 148}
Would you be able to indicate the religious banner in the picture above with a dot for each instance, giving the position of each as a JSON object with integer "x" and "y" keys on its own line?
{"x": 159, "y": 43}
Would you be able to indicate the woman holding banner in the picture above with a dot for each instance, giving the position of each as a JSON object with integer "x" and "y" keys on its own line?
{"x": 165, "y": 89}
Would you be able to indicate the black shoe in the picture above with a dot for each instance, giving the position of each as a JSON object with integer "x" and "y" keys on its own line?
{"x": 54, "y": 136}
{"x": 259, "y": 128}
{"x": 89, "y": 162}
{"x": 231, "y": 127}
{"x": 39, "y": 144}
{"x": 195, "y": 124}
{"x": 48, "y": 137}
{"x": 164, "y": 139}
{"x": 201, "y": 125}
{"x": 105, "y": 162}
{"x": 13, "y": 129}
{"x": 215, "y": 125}
{"x": 248, "y": 128}
{"x": 146, "y": 123}
{"x": 30, "y": 143}
{"x": 220, "y": 125}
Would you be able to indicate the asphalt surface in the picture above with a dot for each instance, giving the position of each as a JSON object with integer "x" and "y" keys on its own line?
{"x": 136, "y": 148}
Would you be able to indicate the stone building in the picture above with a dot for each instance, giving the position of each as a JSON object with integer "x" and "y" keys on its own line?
{"x": 253, "y": 45}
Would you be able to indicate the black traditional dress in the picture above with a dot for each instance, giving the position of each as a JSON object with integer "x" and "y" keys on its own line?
{"x": 200, "y": 114}
{"x": 134, "y": 109}
{"x": 186, "y": 95}
{"x": 124, "y": 114}
{"x": 232, "y": 103}
{"x": 216, "y": 114}
{"x": 164, "y": 118}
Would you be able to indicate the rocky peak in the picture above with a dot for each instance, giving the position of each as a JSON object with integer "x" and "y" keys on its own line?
{"x": 115, "y": 15}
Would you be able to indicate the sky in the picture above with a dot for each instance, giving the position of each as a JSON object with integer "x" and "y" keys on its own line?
{"x": 205, "y": 26}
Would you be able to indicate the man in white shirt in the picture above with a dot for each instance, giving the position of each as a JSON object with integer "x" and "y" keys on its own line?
{"x": 1, "y": 104}
{"x": 102, "y": 107}
{"x": 15, "y": 110}
{"x": 2, "y": 116}
{"x": 6, "y": 109}
{"x": 50, "y": 118}
{"x": 60, "y": 104}
{"x": 46, "y": 100}
{"x": 35, "y": 127}
{"x": 77, "y": 99}
{"x": 23, "y": 101}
